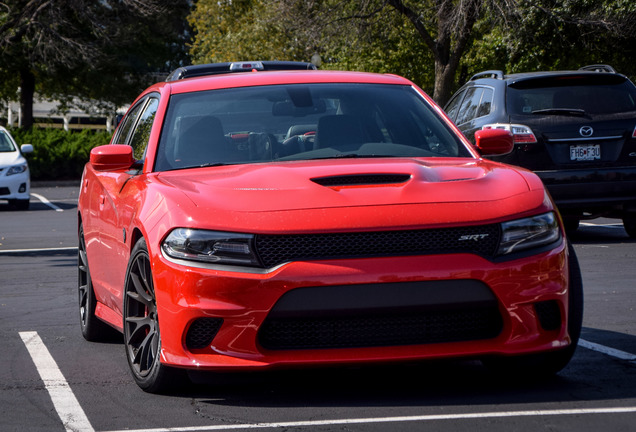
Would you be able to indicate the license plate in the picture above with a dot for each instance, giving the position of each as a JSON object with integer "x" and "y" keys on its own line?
{"x": 585, "y": 152}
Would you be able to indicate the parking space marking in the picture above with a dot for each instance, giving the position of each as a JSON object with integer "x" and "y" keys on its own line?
{"x": 47, "y": 202}
{"x": 37, "y": 250}
{"x": 601, "y": 225}
{"x": 64, "y": 401}
{"x": 622, "y": 355}
{"x": 371, "y": 420}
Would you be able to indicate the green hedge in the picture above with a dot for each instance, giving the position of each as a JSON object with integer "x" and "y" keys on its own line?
{"x": 58, "y": 154}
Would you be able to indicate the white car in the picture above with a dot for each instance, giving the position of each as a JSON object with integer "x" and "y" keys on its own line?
{"x": 15, "y": 181}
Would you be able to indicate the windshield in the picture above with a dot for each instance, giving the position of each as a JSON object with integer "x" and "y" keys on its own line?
{"x": 301, "y": 122}
{"x": 5, "y": 143}
{"x": 571, "y": 96}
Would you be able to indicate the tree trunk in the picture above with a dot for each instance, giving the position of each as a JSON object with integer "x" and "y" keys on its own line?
{"x": 27, "y": 91}
{"x": 444, "y": 75}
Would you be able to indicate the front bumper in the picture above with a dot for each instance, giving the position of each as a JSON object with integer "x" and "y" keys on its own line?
{"x": 15, "y": 186}
{"x": 240, "y": 303}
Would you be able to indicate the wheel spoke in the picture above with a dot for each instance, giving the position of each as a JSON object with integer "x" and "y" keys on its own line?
{"x": 140, "y": 321}
{"x": 143, "y": 292}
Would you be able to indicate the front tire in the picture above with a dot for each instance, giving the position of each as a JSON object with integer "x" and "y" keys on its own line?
{"x": 142, "y": 338}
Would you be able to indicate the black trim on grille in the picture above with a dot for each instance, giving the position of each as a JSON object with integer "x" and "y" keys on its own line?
{"x": 202, "y": 331}
{"x": 274, "y": 250}
{"x": 549, "y": 314}
{"x": 371, "y": 315}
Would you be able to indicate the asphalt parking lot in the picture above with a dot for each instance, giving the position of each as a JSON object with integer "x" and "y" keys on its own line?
{"x": 54, "y": 380}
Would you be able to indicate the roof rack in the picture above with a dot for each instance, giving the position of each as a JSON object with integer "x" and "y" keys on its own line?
{"x": 598, "y": 68}
{"x": 230, "y": 67}
{"x": 496, "y": 74}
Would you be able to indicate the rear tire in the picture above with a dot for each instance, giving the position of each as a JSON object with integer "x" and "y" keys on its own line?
{"x": 93, "y": 329}
{"x": 142, "y": 337}
{"x": 629, "y": 223}
{"x": 571, "y": 225}
{"x": 549, "y": 363}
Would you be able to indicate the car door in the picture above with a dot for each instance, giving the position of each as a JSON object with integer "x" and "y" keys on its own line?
{"x": 115, "y": 195}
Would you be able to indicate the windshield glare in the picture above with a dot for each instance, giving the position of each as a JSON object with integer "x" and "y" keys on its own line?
{"x": 301, "y": 122}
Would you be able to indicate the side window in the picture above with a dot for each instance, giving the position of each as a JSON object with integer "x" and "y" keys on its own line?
{"x": 127, "y": 124}
{"x": 486, "y": 103}
{"x": 453, "y": 105}
{"x": 468, "y": 108}
{"x": 141, "y": 134}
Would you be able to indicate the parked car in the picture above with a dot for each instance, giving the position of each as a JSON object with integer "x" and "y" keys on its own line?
{"x": 575, "y": 129}
{"x": 247, "y": 218}
{"x": 15, "y": 182}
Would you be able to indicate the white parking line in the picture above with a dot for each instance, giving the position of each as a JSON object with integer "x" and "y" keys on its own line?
{"x": 75, "y": 420}
{"x": 27, "y": 251}
{"x": 47, "y": 202}
{"x": 600, "y": 225}
{"x": 371, "y": 420}
{"x": 622, "y": 355}
{"x": 64, "y": 401}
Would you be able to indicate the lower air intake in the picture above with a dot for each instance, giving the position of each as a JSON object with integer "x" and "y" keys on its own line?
{"x": 390, "y": 314}
{"x": 202, "y": 331}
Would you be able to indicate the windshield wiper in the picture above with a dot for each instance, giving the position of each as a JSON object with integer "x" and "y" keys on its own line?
{"x": 561, "y": 111}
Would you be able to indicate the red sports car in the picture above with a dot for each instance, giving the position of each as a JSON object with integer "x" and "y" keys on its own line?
{"x": 267, "y": 214}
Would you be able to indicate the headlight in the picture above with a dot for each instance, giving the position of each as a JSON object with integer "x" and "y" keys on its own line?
{"x": 211, "y": 247}
{"x": 527, "y": 233}
{"x": 17, "y": 169}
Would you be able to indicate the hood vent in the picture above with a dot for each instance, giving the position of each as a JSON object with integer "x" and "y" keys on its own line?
{"x": 362, "y": 180}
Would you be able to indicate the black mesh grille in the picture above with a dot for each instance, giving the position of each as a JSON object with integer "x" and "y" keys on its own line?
{"x": 549, "y": 315}
{"x": 4, "y": 191}
{"x": 380, "y": 330}
{"x": 202, "y": 331}
{"x": 366, "y": 179}
{"x": 278, "y": 249}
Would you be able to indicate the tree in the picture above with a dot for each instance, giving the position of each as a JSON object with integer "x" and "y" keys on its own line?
{"x": 59, "y": 45}
{"x": 429, "y": 41}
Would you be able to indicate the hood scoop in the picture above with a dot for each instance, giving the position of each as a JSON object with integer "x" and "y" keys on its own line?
{"x": 361, "y": 180}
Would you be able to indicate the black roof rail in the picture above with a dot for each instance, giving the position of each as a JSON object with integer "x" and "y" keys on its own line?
{"x": 497, "y": 74}
{"x": 598, "y": 68}
{"x": 229, "y": 67}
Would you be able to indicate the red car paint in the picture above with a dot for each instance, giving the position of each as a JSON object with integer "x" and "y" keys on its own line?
{"x": 118, "y": 206}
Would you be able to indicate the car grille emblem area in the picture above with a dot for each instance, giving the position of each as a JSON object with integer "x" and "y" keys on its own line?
{"x": 586, "y": 131}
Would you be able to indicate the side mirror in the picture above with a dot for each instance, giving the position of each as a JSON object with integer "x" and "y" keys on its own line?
{"x": 491, "y": 142}
{"x": 112, "y": 157}
{"x": 26, "y": 148}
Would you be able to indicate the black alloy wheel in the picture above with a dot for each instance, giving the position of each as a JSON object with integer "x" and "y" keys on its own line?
{"x": 93, "y": 329}
{"x": 142, "y": 337}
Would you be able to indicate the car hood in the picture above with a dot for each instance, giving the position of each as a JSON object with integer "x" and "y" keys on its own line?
{"x": 11, "y": 158}
{"x": 357, "y": 193}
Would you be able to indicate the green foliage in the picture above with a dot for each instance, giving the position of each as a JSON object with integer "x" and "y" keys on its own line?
{"x": 58, "y": 154}
{"x": 346, "y": 38}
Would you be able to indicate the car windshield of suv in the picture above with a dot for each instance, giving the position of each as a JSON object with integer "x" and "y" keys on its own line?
{"x": 5, "y": 144}
{"x": 571, "y": 95}
{"x": 301, "y": 122}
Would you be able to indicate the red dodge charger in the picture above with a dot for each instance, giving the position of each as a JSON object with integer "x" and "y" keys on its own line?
{"x": 267, "y": 215}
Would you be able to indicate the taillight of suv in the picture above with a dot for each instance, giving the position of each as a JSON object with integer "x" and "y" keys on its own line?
{"x": 521, "y": 134}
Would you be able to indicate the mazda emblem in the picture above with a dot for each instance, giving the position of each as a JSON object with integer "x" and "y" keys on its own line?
{"x": 586, "y": 131}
